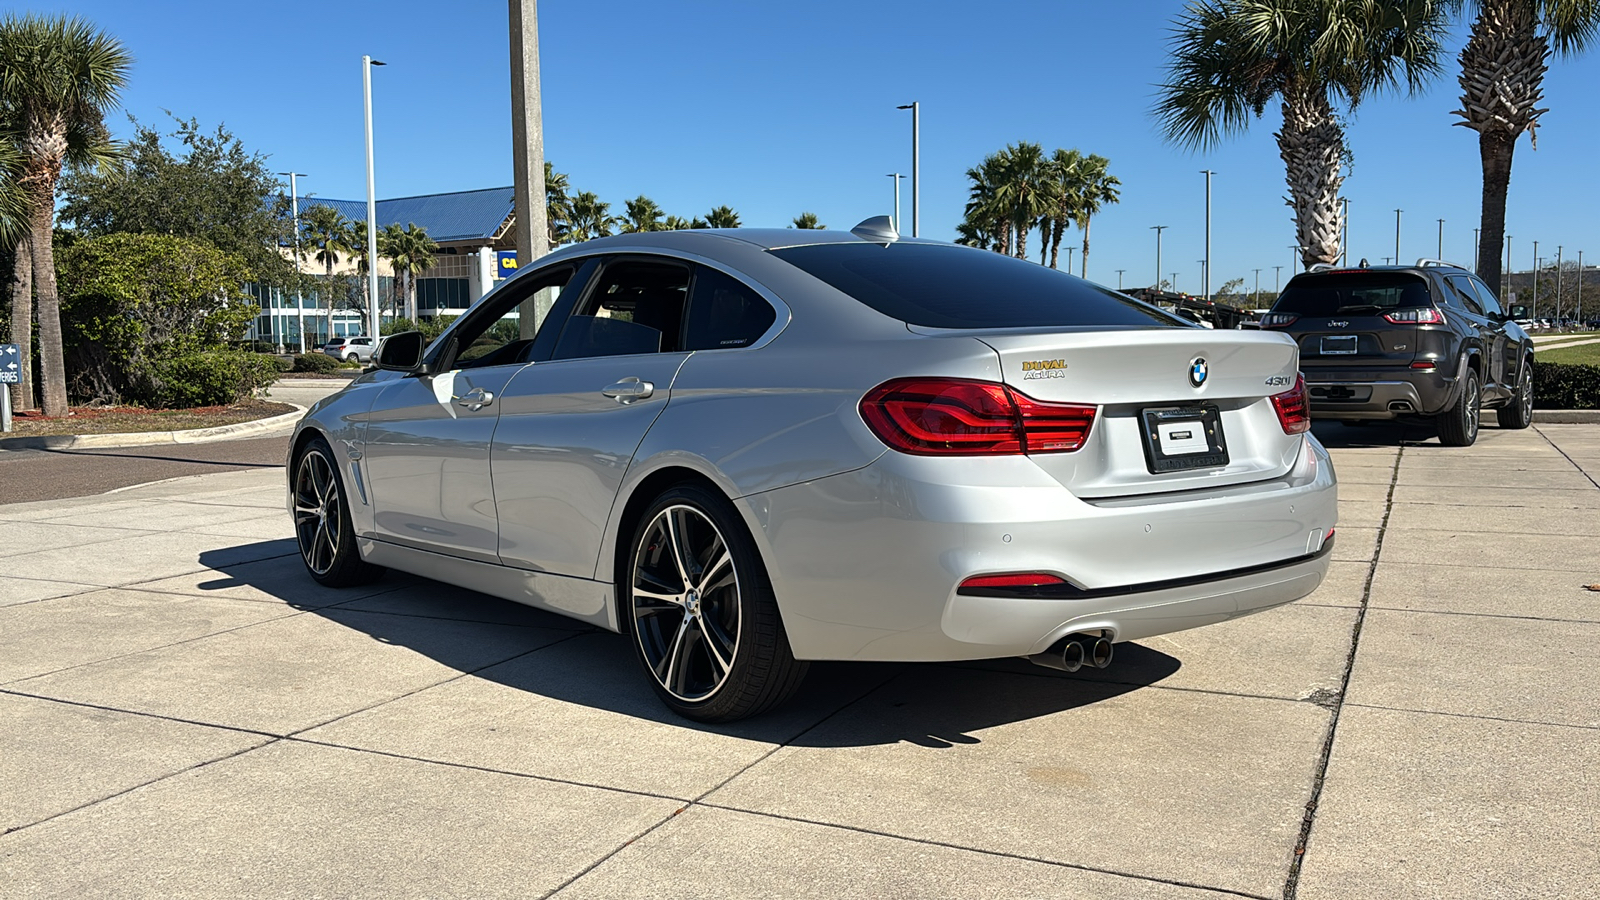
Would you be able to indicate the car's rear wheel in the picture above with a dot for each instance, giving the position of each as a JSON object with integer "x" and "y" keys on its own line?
{"x": 322, "y": 521}
{"x": 1518, "y": 413}
{"x": 1458, "y": 426}
{"x": 704, "y": 621}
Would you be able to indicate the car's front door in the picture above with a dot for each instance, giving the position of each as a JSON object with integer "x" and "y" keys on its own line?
{"x": 1491, "y": 337}
{"x": 570, "y": 423}
{"x": 426, "y": 454}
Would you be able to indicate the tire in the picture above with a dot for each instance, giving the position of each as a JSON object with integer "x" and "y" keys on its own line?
{"x": 698, "y": 605}
{"x": 322, "y": 526}
{"x": 1518, "y": 413}
{"x": 1458, "y": 426}
{"x": 351, "y": 357}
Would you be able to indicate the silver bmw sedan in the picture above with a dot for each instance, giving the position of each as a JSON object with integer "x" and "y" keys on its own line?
{"x": 748, "y": 449}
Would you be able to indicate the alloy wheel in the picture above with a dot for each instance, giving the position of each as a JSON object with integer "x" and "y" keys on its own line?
{"x": 316, "y": 512}
{"x": 1525, "y": 391}
{"x": 685, "y": 602}
{"x": 1474, "y": 398}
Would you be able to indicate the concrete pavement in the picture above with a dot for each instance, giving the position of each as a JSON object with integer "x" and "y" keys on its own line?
{"x": 183, "y": 712}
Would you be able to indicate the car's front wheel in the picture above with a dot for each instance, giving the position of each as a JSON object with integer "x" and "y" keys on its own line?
{"x": 1518, "y": 413}
{"x": 322, "y": 521}
{"x": 704, "y": 622}
{"x": 1458, "y": 426}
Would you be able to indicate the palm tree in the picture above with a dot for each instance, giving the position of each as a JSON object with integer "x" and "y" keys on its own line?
{"x": 1099, "y": 187}
{"x": 1230, "y": 58}
{"x": 591, "y": 218}
{"x": 971, "y": 234}
{"x": 324, "y": 228}
{"x": 410, "y": 252}
{"x": 355, "y": 241}
{"x": 643, "y": 215}
{"x": 558, "y": 206}
{"x": 1502, "y": 80}
{"x": 984, "y": 212}
{"x": 722, "y": 217}
{"x": 58, "y": 78}
{"x": 14, "y": 221}
{"x": 1065, "y": 170}
{"x": 1025, "y": 190}
{"x": 807, "y": 220}
{"x": 676, "y": 223}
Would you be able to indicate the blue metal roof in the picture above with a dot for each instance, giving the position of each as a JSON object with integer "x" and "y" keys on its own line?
{"x": 459, "y": 216}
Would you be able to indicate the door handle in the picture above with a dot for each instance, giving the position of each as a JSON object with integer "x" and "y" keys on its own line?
{"x": 628, "y": 390}
{"x": 476, "y": 399}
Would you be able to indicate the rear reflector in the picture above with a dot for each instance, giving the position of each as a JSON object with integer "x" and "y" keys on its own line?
{"x": 1422, "y": 315}
{"x": 1290, "y": 405}
{"x": 1019, "y": 579}
{"x": 966, "y": 417}
{"x": 1425, "y": 364}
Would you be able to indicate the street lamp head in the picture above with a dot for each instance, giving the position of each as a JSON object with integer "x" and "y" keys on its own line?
{"x": 376, "y": 62}
{"x": 906, "y": 106}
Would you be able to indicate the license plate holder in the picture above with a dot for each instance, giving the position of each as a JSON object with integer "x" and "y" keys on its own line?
{"x": 1177, "y": 438}
{"x": 1338, "y": 345}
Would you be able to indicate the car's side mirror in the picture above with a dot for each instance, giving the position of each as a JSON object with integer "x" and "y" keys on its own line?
{"x": 401, "y": 352}
{"x": 1518, "y": 312}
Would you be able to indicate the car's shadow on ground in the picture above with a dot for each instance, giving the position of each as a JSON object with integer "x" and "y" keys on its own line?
{"x": 545, "y": 655}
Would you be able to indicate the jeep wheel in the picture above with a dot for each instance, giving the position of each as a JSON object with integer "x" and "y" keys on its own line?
{"x": 1458, "y": 426}
{"x": 1518, "y": 412}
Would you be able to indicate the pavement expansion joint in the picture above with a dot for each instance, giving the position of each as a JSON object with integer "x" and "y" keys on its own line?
{"x": 1478, "y": 717}
{"x": 1581, "y": 470}
{"x": 1336, "y": 702}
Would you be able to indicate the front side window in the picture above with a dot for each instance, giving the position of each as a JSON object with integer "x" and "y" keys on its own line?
{"x": 944, "y": 286}
{"x": 491, "y": 335}
{"x": 1353, "y": 294}
{"x": 636, "y": 306}
{"x": 1485, "y": 296}
{"x": 724, "y": 314}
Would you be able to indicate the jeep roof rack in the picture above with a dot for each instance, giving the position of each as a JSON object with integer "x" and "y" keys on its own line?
{"x": 1429, "y": 263}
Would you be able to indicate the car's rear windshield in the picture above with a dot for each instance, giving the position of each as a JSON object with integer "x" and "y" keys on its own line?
{"x": 943, "y": 286}
{"x": 1352, "y": 294}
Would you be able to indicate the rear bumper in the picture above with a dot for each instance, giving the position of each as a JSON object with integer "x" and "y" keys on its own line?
{"x": 1378, "y": 394}
{"x": 865, "y": 565}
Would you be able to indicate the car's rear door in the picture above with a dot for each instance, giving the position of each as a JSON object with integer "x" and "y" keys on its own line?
{"x": 1491, "y": 336}
{"x": 570, "y": 422}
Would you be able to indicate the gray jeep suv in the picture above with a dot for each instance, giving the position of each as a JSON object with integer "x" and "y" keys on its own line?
{"x": 1386, "y": 342}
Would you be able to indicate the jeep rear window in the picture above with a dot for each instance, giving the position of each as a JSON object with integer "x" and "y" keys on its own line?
{"x": 944, "y": 286}
{"x": 1353, "y": 294}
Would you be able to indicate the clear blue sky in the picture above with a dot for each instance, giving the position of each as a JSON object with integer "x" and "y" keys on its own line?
{"x": 778, "y": 108}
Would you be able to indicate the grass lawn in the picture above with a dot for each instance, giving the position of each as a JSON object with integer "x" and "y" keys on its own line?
{"x": 1584, "y": 354}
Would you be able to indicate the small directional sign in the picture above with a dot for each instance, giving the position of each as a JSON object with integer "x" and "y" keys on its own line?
{"x": 10, "y": 364}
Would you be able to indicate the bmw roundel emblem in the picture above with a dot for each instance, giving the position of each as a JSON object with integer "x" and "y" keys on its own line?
{"x": 1198, "y": 371}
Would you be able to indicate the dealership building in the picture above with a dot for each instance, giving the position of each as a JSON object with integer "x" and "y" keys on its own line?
{"x": 476, "y": 234}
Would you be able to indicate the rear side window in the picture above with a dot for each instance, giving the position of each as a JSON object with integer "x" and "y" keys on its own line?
{"x": 636, "y": 307}
{"x": 942, "y": 286}
{"x": 1353, "y": 294}
{"x": 725, "y": 314}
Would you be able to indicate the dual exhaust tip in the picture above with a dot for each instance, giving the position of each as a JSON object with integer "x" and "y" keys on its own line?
{"x": 1075, "y": 651}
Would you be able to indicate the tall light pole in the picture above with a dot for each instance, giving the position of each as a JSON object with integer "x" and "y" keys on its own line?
{"x": 1535, "y": 311}
{"x": 1205, "y": 271}
{"x": 1441, "y": 240}
{"x": 916, "y": 166}
{"x": 1069, "y": 259}
{"x": 1255, "y": 296}
{"x": 1174, "y": 283}
{"x": 367, "y": 63}
{"x": 294, "y": 213}
{"x": 1344, "y": 237}
{"x": 527, "y": 156}
{"x": 1475, "y": 248}
{"x": 1505, "y": 277}
{"x": 1397, "y": 237}
{"x": 1158, "y": 229}
{"x": 1558, "y": 285}
{"x": 1579, "y": 314}
{"x": 1294, "y": 257}
{"x": 1277, "y": 273}
{"x": 1119, "y": 278}
{"x": 896, "y": 176}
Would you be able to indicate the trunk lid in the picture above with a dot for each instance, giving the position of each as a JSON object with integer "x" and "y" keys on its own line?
{"x": 1129, "y": 374}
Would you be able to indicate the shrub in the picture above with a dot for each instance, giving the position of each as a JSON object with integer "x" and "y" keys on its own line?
{"x": 320, "y": 363}
{"x": 209, "y": 378}
{"x": 1563, "y": 386}
{"x": 281, "y": 364}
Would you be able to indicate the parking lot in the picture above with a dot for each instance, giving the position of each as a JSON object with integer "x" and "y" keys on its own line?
{"x": 183, "y": 712}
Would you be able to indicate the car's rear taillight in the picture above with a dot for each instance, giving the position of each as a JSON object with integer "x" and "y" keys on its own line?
{"x": 1011, "y": 580}
{"x": 1293, "y": 413}
{"x": 1422, "y": 315}
{"x": 1278, "y": 320}
{"x": 965, "y": 417}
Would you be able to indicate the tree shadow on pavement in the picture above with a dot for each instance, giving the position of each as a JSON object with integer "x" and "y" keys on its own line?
{"x": 841, "y": 704}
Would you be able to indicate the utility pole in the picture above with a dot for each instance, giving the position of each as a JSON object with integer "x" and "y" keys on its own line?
{"x": 294, "y": 212}
{"x": 1277, "y": 274}
{"x": 367, "y": 63}
{"x": 1205, "y": 271}
{"x": 1119, "y": 278}
{"x": 1158, "y": 229}
{"x": 1441, "y": 240}
{"x": 527, "y": 154}
{"x": 916, "y": 166}
{"x": 1397, "y": 237}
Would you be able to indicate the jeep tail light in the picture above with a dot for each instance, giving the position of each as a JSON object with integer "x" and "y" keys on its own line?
{"x": 966, "y": 417}
{"x": 1422, "y": 315}
{"x": 1293, "y": 414}
{"x": 1278, "y": 320}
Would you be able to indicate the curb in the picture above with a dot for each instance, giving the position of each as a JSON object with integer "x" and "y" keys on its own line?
{"x": 145, "y": 438}
{"x": 1566, "y": 417}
